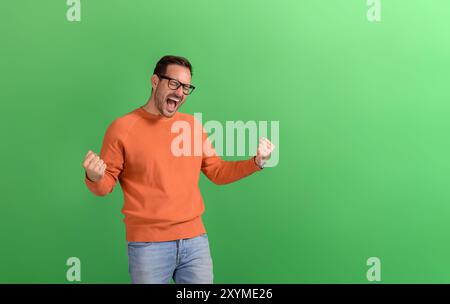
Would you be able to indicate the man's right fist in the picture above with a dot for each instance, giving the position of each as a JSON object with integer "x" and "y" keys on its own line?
{"x": 94, "y": 166}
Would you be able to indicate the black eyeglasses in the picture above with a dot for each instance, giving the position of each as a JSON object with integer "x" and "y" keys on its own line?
{"x": 175, "y": 84}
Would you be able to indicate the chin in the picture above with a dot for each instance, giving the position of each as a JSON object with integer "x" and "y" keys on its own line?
{"x": 168, "y": 114}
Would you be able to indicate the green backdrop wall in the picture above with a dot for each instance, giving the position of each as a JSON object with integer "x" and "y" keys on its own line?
{"x": 364, "y": 165}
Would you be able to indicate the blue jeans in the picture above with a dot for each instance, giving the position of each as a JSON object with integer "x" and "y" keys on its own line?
{"x": 185, "y": 261}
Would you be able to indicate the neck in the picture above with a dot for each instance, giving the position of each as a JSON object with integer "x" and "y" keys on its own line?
{"x": 150, "y": 106}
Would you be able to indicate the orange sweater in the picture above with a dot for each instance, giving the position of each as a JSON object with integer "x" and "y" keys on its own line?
{"x": 161, "y": 193}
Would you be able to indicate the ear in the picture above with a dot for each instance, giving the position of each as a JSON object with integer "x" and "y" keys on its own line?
{"x": 154, "y": 80}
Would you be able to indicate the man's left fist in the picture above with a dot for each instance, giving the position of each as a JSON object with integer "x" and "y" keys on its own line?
{"x": 264, "y": 149}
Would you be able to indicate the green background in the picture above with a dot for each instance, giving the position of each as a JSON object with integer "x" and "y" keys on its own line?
{"x": 363, "y": 107}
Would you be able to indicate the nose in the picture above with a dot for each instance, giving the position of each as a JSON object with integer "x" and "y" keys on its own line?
{"x": 179, "y": 91}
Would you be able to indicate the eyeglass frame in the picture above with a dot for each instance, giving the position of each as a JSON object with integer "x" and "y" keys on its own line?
{"x": 180, "y": 84}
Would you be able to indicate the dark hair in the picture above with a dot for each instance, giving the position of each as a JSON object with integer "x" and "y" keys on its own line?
{"x": 161, "y": 66}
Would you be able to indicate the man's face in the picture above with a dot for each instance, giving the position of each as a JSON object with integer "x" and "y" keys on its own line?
{"x": 168, "y": 100}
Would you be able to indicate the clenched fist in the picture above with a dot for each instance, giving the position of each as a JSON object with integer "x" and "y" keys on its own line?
{"x": 265, "y": 148}
{"x": 94, "y": 166}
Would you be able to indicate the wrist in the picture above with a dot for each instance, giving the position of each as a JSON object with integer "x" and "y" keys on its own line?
{"x": 91, "y": 180}
{"x": 258, "y": 162}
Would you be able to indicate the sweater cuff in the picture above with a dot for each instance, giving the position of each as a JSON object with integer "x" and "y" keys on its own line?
{"x": 255, "y": 164}
{"x": 95, "y": 187}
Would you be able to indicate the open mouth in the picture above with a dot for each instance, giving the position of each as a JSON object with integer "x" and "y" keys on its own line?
{"x": 172, "y": 103}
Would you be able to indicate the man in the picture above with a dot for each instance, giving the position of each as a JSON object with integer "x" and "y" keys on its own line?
{"x": 163, "y": 205}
